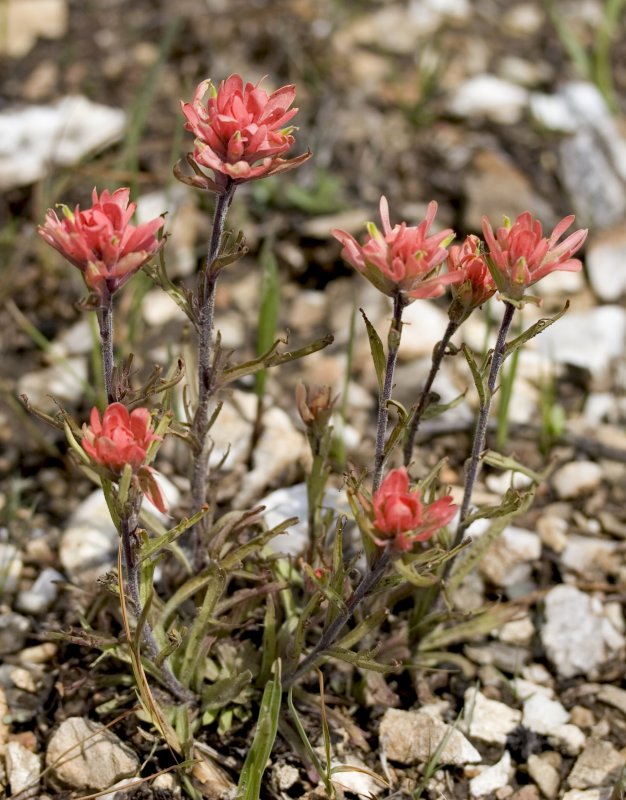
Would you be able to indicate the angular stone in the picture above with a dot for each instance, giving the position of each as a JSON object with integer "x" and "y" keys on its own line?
{"x": 599, "y": 764}
{"x": 85, "y": 755}
{"x": 545, "y": 776}
{"x": 23, "y": 770}
{"x": 577, "y": 478}
{"x": 488, "y": 720}
{"x": 492, "y": 778}
{"x": 411, "y": 737}
{"x": 543, "y": 715}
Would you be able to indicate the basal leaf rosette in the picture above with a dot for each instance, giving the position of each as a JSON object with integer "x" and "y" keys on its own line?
{"x": 241, "y": 133}
{"x": 101, "y": 241}
{"x": 121, "y": 441}
{"x": 519, "y": 254}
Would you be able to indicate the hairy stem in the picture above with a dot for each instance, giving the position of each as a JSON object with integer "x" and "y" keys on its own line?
{"x": 393, "y": 345}
{"x": 480, "y": 433}
{"x": 105, "y": 321}
{"x": 128, "y": 526}
{"x": 368, "y": 583}
{"x": 422, "y": 403}
{"x": 208, "y": 283}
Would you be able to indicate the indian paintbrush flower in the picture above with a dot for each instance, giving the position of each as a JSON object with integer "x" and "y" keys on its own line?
{"x": 123, "y": 438}
{"x": 403, "y": 258}
{"x": 477, "y": 284}
{"x": 520, "y": 255}
{"x": 101, "y": 241}
{"x": 398, "y": 515}
{"x": 241, "y": 131}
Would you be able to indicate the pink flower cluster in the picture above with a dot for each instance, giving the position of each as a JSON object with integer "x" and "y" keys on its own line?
{"x": 521, "y": 255}
{"x": 401, "y": 258}
{"x": 240, "y": 131}
{"x": 122, "y": 438}
{"x": 400, "y": 517}
{"x": 101, "y": 241}
{"x": 406, "y": 259}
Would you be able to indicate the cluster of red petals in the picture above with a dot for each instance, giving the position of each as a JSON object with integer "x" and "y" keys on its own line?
{"x": 477, "y": 284}
{"x": 240, "y": 131}
{"x": 101, "y": 241}
{"x": 521, "y": 255}
{"x": 401, "y": 259}
{"x": 121, "y": 438}
{"x": 400, "y": 516}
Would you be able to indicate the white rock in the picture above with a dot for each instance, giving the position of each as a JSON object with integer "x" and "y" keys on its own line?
{"x": 543, "y": 715}
{"x": 524, "y": 19}
{"x": 10, "y": 567}
{"x": 588, "y": 339}
{"x": 605, "y": 260}
{"x": 355, "y": 781}
{"x": 553, "y": 532}
{"x": 588, "y": 555}
{"x": 568, "y": 738}
{"x": 34, "y": 139}
{"x": 509, "y": 560}
{"x": 577, "y": 478}
{"x": 424, "y": 325}
{"x": 74, "y": 341}
{"x": 492, "y": 778}
{"x": 85, "y": 755}
{"x": 42, "y": 593}
{"x": 65, "y": 380}
{"x": 593, "y": 158}
{"x": 517, "y": 631}
{"x": 577, "y": 635}
{"x": 23, "y": 21}
{"x": 553, "y": 112}
{"x": 525, "y": 689}
{"x": 269, "y": 461}
{"x": 292, "y": 502}
{"x": 603, "y": 793}
{"x": 158, "y": 308}
{"x": 411, "y": 737}
{"x": 23, "y": 770}
{"x": 545, "y": 775}
{"x": 488, "y": 720}
{"x": 490, "y": 97}
{"x": 599, "y": 764}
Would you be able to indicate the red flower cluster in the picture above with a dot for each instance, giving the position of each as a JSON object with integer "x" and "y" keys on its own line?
{"x": 401, "y": 258}
{"x": 101, "y": 241}
{"x": 240, "y": 132}
{"x": 121, "y": 438}
{"x": 521, "y": 255}
{"x": 477, "y": 284}
{"x": 400, "y": 516}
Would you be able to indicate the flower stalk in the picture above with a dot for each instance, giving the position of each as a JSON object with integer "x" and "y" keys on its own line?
{"x": 393, "y": 345}
{"x": 366, "y": 586}
{"x": 480, "y": 433}
{"x": 423, "y": 400}
{"x": 105, "y": 322}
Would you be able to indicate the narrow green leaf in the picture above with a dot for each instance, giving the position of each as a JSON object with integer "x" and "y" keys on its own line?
{"x": 533, "y": 331}
{"x": 155, "y": 545}
{"x": 249, "y": 786}
{"x": 377, "y": 350}
{"x": 272, "y": 358}
{"x": 437, "y": 409}
{"x": 225, "y": 691}
{"x": 268, "y": 311}
{"x": 479, "y": 381}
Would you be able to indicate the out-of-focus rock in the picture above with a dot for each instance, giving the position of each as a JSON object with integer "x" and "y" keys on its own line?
{"x": 23, "y": 21}
{"x": 606, "y": 263}
{"x": 490, "y": 97}
{"x": 492, "y": 778}
{"x": 577, "y": 478}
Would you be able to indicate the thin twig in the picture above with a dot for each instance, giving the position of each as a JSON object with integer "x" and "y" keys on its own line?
{"x": 422, "y": 402}
{"x": 105, "y": 321}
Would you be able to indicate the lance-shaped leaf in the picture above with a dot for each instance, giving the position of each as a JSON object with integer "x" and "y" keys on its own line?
{"x": 533, "y": 331}
{"x": 479, "y": 379}
{"x": 153, "y": 546}
{"x": 232, "y": 559}
{"x": 268, "y": 310}
{"x": 225, "y": 691}
{"x": 361, "y": 660}
{"x": 272, "y": 358}
{"x": 480, "y": 624}
{"x": 437, "y": 409}
{"x": 249, "y": 786}
{"x": 377, "y": 350}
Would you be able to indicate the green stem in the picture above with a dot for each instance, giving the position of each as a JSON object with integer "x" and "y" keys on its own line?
{"x": 480, "y": 434}
{"x": 367, "y": 584}
{"x": 422, "y": 403}
{"x": 128, "y": 525}
{"x": 393, "y": 345}
{"x": 105, "y": 322}
{"x": 207, "y": 287}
